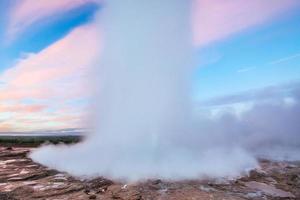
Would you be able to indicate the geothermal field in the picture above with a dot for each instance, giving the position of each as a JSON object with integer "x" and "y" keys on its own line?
{"x": 136, "y": 127}
{"x": 23, "y": 179}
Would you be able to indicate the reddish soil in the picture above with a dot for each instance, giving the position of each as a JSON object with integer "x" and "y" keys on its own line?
{"x": 22, "y": 179}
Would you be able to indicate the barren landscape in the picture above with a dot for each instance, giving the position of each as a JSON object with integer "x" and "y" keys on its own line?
{"x": 22, "y": 179}
{"x": 150, "y": 99}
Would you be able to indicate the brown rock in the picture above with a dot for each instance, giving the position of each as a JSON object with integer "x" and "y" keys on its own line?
{"x": 92, "y": 196}
{"x": 269, "y": 190}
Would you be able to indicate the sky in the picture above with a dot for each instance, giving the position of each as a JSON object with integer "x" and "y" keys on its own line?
{"x": 247, "y": 51}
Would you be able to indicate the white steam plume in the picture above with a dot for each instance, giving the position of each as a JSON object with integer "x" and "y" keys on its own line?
{"x": 143, "y": 115}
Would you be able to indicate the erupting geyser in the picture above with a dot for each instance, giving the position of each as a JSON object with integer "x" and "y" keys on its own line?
{"x": 144, "y": 124}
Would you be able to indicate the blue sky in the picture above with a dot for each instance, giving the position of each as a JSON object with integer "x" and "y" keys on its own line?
{"x": 41, "y": 34}
{"x": 264, "y": 56}
{"x": 245, "y": 54}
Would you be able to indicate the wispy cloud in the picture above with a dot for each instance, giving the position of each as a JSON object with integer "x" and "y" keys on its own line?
{"x": 245, "y": 69}
{"x": 21, "y": 108}
{"x": 269, "y": 64}
{"x": 27, "y": 12}
{"x": 5, "y": 127}
{"x": 59, "y": 72}
{"x": 215, "y": 20}
{"x": 285, "y": 59}
{"x": 57, "y": 64}
{"x": 51, "y": 78}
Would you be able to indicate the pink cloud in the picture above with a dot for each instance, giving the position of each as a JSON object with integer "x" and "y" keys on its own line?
{"x": 60, "y": 72}
{"x": 15, "y": 93}
{"x": 22, "y": 108}
{"x": 27, "y": 12}
{"x": 6, "y": 127}
{"x": 215, "y": 20}
{"x": 41, "y": 121}
{"x": 63, "y": 63}
{"x": 20, "y": 117}
{"x": 51, "y": 77}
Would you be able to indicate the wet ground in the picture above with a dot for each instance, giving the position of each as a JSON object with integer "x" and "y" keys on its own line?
{"x": 22, "y": 179}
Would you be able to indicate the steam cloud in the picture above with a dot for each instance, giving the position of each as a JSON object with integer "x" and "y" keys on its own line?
{"x": 145, "y": 126}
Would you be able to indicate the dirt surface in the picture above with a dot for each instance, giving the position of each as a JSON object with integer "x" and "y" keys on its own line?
{"x": 22, "y": 179}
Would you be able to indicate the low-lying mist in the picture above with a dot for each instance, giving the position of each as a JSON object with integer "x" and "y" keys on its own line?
{"x": 144, "y": 125}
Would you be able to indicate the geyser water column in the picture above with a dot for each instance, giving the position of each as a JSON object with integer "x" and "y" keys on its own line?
{"x": 145, "y": 73}
{"x": 142, "y": 104}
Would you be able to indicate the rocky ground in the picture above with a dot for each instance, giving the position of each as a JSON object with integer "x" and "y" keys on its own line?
{"x": 22, "y": 179}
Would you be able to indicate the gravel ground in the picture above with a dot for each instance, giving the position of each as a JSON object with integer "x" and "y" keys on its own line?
{"x": 22, "y": 179}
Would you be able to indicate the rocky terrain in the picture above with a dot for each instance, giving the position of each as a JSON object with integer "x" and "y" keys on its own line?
{"x": 22, "y": 179}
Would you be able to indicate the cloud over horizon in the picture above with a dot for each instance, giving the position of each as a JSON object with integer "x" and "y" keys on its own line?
{"x": 48, "y": 85}
{"x": 51, "y": 77}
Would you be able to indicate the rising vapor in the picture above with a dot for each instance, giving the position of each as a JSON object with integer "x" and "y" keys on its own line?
{"x": 144, "y": 124}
